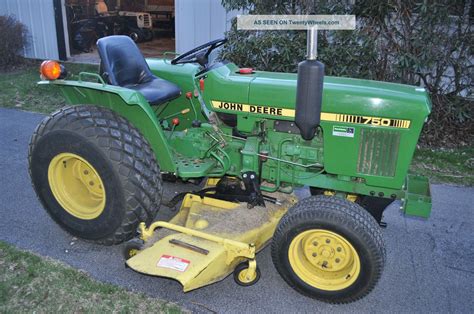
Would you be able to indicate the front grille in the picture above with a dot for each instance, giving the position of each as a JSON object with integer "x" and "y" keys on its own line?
{"x": 378, "y": 152}
{"x": 146, "y": 20}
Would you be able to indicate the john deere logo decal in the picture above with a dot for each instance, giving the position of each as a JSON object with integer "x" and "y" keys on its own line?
{"x": 272, "y": 111}
{"x": 325, "y": 116}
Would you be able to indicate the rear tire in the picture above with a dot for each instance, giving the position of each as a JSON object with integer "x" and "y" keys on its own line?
{"x": 329, "y": 249}
{"x": 76, "y": 142}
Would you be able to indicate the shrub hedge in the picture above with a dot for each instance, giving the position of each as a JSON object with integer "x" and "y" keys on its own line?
{"x": 427, "y": 43}
{"x": 13, "y": 39}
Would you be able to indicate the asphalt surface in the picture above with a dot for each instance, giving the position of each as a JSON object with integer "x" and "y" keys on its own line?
{"x": 430, "y": 265}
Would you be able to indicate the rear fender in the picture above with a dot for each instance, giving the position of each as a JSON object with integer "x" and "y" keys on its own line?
{"x": 127, "y": 103}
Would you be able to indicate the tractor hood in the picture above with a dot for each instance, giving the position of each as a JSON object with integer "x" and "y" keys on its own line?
{"x": 340, "y": 95}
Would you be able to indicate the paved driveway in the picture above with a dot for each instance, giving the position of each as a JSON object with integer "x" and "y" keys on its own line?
{"x": 430, "y": 264}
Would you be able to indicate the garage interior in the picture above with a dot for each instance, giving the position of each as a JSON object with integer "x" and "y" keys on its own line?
{"x": 150, "y": 23}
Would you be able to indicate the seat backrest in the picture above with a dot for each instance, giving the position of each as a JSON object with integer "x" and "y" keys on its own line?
{"x": 122, "y": 62}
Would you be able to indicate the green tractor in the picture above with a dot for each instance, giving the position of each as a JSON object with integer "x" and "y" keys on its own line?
{"x": 253, "y": 137}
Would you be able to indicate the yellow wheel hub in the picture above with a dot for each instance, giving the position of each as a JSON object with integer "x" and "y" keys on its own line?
{"x": 77, "y": 186}
{"x": 132, "y": 252}
{"x": 324, "y": 259}
{"x": 245, "y": 277}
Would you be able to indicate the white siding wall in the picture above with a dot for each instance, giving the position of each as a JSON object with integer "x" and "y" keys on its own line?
{"x": 38, "y": 16}
{"x": 199, "y": 21}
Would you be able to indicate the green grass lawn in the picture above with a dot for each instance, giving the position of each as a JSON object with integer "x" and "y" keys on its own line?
{"x": 445, "y": 165}
{"x": 33, "y": 284}
{"x": 19, "y": 90}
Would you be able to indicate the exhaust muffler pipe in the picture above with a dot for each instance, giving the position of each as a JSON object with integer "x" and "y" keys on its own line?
{"x": 309, "y": 89}
{"x": 312, "y": 44}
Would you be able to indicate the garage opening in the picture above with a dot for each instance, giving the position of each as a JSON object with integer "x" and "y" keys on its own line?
{"x": 150, "y": 23}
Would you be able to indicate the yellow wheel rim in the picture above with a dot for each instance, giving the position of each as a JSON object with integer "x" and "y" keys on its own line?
{"x": 243, "y": 276}
{"x": 77, "y": 186}
{"x": 324, "y": 259}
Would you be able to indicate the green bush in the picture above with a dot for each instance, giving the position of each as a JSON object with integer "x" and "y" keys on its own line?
{"x": 426, "y": 43}
{"x": 13, "y": 39}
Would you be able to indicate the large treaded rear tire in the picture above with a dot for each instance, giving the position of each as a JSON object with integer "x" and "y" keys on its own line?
{"x": 123, "y": 159}
{"x": 341, "y": 217}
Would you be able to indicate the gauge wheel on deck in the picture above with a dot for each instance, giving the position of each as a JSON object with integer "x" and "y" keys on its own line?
{"x": 241, "y": 276}
{"x": 94, "y": 173}
{"x": 132, "y": 247}
{"x": 329, "y": 248}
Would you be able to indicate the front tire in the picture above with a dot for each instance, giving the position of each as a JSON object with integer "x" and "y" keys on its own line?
{"x": 148, "y": 35}
{"x": 94, "y": 173}
{"x": 329, "y": 249}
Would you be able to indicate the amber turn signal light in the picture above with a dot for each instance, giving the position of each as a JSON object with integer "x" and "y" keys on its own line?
{"x": 50, "y": 70}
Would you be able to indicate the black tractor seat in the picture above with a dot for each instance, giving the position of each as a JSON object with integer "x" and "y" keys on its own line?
{"x": 122, "y": 64}
{"x": 157, "y": 91}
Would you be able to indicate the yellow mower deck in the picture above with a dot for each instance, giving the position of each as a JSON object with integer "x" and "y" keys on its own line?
{"x": 205, "y": 241}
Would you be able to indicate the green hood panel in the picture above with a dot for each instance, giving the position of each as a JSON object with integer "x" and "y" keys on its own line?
{"x": 340, "y": 95}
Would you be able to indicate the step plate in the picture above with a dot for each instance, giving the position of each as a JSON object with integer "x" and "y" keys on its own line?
{"x": 193, "y": 167}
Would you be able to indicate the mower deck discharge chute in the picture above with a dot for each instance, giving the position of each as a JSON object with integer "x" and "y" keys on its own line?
{"x": 98, "y": 166}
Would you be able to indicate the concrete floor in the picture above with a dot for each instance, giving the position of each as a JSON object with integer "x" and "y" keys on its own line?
{"x": 154, "y": 48}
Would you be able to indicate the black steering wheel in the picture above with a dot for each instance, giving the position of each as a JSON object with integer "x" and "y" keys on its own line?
{"x": 199, "y": 54}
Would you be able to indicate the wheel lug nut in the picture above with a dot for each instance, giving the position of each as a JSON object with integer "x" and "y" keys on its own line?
{"x": 328, "y": 241}
{"x": 315, "y": 243}
{"x": 86, "y": 172}
{"x": 91, "y": 183}
{"x": 337, "y": 260}
{"x": 339, "y": 249}
{"x": 314, "y": 254}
